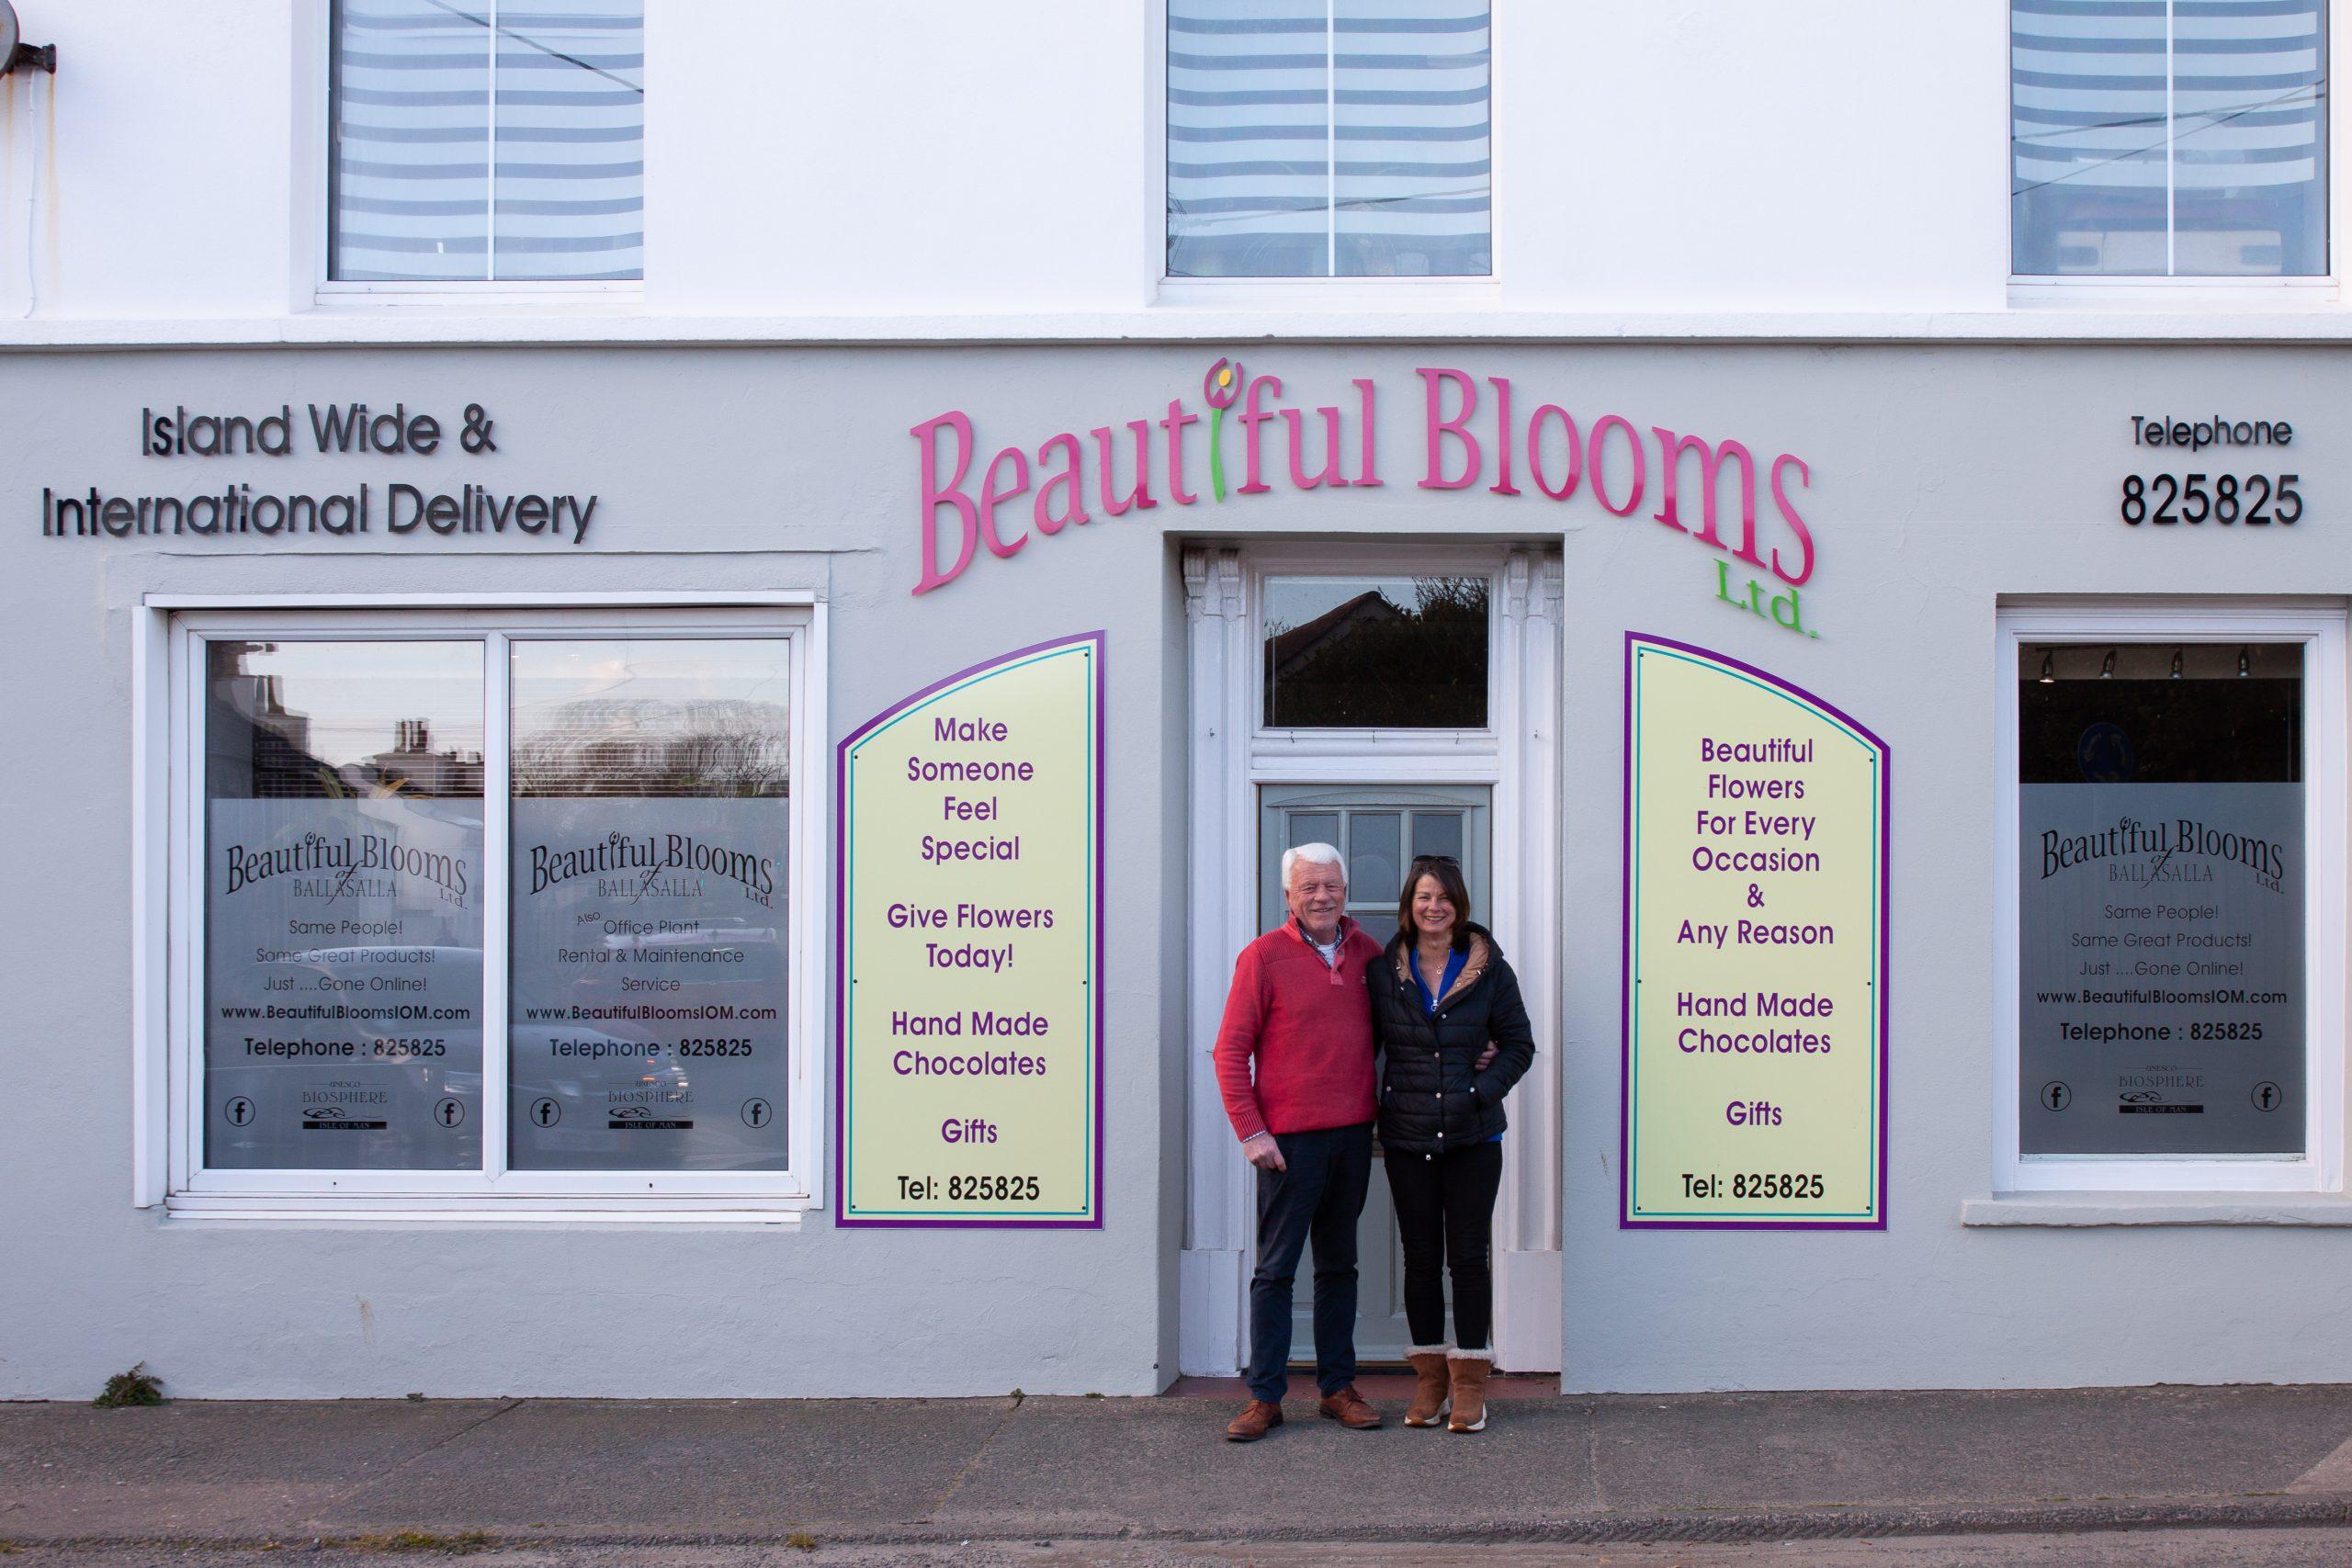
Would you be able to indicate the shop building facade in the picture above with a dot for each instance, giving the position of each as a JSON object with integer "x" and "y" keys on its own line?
{"x": 662, "y": 679}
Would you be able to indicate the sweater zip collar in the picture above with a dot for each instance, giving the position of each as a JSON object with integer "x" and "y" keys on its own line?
{"x": 1338, "y": 959}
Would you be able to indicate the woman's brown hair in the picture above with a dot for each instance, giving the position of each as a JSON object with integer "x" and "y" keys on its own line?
{"x": 1448, "y": 872}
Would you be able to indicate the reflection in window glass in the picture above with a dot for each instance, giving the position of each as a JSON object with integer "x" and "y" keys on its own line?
{"x": 2161, "y": 893}
{"x": 651, "y": 782}
{"x": 1329, "y": 139}
{"x": 343, "y": 872}
{"x": 484, "y": 140}
{"x": 2156, "y": 137}
{"x": 1391, "y": 653}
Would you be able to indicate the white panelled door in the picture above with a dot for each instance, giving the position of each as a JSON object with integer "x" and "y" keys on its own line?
{"x": 1378, "y": 829}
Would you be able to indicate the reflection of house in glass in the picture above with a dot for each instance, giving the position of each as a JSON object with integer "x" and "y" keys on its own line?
{"x": 1361, "y": 657}
{"x": 412, "y": 767}
{"x": 254, "y": 746}
{"x": 260, "y": 746}
{"x": 627, "y": 746}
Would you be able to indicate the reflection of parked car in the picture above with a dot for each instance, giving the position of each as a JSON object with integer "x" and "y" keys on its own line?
{"x": 577, "y": 1084}
{"x": 752, "y": 984}
{"x": 709, "y": 931}
{"x": 326, "y": 979}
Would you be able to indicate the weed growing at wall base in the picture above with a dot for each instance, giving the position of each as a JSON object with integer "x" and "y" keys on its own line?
{"x": 137, "y": 1386}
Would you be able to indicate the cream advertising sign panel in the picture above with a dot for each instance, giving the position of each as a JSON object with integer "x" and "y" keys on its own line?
{"x": 1755, "y": 1007}
{"x": 970, "y": 965}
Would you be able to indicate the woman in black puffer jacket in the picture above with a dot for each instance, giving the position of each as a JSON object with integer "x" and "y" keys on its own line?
{"x": 1440, "y": 995}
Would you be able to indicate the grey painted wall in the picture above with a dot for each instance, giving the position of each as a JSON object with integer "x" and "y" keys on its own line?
{"x": 1942, "y": 477}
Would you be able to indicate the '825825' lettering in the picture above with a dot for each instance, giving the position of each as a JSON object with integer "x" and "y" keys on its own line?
{"x": 992, "y": 1188}
{"x": 2253, "y": 500}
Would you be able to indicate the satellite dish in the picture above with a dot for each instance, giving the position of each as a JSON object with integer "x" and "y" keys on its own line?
{"x": 15, "y": 53}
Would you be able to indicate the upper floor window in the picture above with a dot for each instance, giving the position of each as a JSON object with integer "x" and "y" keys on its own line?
{"x": 2169, "y": 138}
{"x": 1329, "y": 139}
{"x": 487, "y": 140}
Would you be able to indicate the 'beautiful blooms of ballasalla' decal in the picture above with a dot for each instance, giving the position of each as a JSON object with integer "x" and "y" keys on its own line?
{"x": 1468, "y": 437}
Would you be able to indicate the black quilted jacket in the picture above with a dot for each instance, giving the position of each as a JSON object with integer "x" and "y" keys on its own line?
{"x": 1430, "y": 1099}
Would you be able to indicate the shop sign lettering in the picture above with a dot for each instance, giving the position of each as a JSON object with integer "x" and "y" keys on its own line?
{"x": 970, "y": 961}
{"x": 1471, "y": 437}
{"x": 1755, "y": 1000}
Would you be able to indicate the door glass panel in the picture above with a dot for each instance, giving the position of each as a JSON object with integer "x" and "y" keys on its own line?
{"x": 1313, "y": 828}
{"x": 1438, "y": 833}
{"x": 1375, "y": 652}
{"x": 342, "y": 905}
{"x": 1372, "y": 871}
{"x": 649, "y": 874}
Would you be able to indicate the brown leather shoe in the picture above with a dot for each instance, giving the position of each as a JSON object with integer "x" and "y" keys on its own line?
{"x": 1348, "y": 1408}
{"x": 1257, "y": 1418}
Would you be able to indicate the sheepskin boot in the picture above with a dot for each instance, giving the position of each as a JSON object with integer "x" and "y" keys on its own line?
{"x": 1428, "y": 1408}
{"x": 1469, "y": 1393}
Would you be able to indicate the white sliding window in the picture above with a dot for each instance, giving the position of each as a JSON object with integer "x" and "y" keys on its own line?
{"x": 2169, "y": 138}
{"x": 487, "y": 140}
{"x": 1329, "y": 139}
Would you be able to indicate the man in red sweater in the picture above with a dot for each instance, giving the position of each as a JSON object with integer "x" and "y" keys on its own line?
{"x": 1299, "y": 1009}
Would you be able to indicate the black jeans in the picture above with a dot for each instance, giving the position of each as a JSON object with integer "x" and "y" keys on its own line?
{"x": 1445, "y": 1216}
{"x": 1321, "y": 1193}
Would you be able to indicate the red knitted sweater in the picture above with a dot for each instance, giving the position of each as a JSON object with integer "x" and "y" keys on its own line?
{"x": 1307, "y": 1025}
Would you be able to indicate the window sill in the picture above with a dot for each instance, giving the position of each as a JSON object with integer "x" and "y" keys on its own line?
{"x": 2067, "y": 1209}
{"x": 183, "y": 1210}
{"x": 2254, "y": 296}
{"x": 482, "y": 298}
{"x": 1329, "y": 294}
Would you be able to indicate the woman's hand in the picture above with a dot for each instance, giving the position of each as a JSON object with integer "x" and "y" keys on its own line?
{"x": 1486, "y": 1057}
{"x": 1264, "y": 1153}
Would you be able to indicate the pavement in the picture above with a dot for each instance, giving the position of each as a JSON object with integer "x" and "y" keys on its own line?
{"x": 1036, "y": 1481}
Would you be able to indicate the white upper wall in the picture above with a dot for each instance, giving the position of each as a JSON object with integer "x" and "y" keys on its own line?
{"x": 938, "y": 158}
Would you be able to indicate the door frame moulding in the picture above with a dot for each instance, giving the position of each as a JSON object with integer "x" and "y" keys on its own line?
{"x": 1230, "y": 756}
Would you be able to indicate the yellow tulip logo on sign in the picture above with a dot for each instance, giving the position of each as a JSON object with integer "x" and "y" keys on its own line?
{"x": 1756, "y": 892}
{"x": 970, "y": 974}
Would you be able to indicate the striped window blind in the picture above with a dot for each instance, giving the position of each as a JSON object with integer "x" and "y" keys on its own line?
{"x": 2169, "y": 138}
{"x": 1329, "y": 139}
{"x": 482, "y": 141}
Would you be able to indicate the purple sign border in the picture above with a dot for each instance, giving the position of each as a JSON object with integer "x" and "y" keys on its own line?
{"x": 1635, "y": 641}
{"x": 1098, "y": 641}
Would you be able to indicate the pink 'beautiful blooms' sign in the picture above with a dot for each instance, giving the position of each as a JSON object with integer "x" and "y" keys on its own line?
{"x": 1608, "y": 460}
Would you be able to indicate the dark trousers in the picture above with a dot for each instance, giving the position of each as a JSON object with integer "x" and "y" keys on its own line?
{"x": 1446, "y": 1216}
{"x": 1319, "y": 1194}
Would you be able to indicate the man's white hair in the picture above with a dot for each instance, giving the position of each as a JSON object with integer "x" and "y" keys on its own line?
{"x": 1313, "y": 854}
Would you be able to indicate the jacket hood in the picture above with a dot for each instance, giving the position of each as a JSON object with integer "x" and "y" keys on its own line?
{"x": 1484, "y": 951}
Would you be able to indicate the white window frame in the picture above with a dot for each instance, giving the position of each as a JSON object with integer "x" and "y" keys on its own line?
{"x": 2320, "y": 627}
{"x": 1292, "y": 293}
{"x": 1378, "y": 756}
{"x": 312, "y": 233}
{"x": 2075, "y": 290}
{"x": 168, "y": 915}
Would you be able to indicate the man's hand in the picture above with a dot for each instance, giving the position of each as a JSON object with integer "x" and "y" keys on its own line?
{"x": 1486, "y": 1057}
{"x": 1264, "y": 1153}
